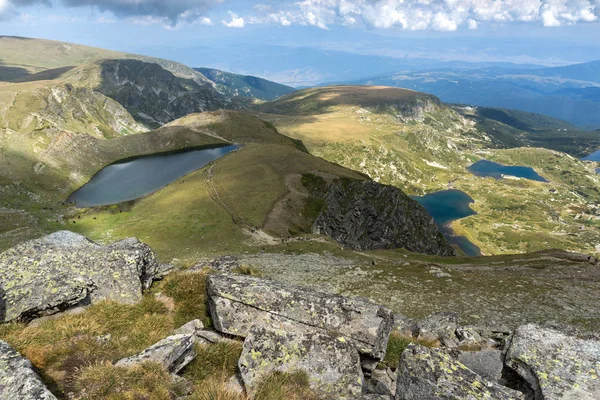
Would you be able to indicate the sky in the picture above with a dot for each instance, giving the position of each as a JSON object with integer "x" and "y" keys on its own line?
{"x": 307, "y": 41}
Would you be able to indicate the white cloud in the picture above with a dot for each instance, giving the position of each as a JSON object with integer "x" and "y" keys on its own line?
{"x": 236, "y": 21}
{"x": 441, "y": 15}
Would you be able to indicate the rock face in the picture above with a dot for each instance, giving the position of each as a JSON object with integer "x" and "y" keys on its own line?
{"x": 435, "y": 374}
{"x": 18, "y": 380}
{"x": 487, "y": 363}
{"x": 365, "y": 215}
{"x": 333, "y": 365}
{"x": 63, "y": 270}
{"x": 239, "y": 302}
{"x": 555, "y": 364}
{"x": 173, "y": 353}
{"x": 151, "y": 93}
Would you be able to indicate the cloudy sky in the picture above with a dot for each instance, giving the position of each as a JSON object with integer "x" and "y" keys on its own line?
{"x": 249, "y": 35}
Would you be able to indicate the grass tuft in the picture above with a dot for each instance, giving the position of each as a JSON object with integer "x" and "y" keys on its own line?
{"x": 144, "y": 381}
{"x": 188, "y": 291}
{"x": 285, "y": 386}
{"x": 217, "y": 360}
{"x": 398, "y": 343}
{"x": 247, "y": 270}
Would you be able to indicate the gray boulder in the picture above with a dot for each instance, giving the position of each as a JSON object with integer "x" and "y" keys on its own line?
{"x": 64, "y": 270}
{"x": 333, "y": 365}
{"x": 173, "y": 353}
{"x": 426, "y": 373}
{"x": 440, "y": 326}
{"x": 487, "y": 363}
{"x": 556, "y": 365}
{"x": 238, "y": 302}
{"x": 18, "y": 380}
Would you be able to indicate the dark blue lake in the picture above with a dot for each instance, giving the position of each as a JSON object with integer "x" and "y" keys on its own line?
{"x": 495, "y": 170}
{"x": 447, "y": 206}
{"x": 131, "y": 179}
{"x": 593, "y": 157}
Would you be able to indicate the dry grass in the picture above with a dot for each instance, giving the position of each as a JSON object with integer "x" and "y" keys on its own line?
{"x": 285, "y": 386}
{"x": 247, "y": 270}
{"x": 145, "y": 381}
{"x": 218, "y": 360}
{"x": 188, "y": 291}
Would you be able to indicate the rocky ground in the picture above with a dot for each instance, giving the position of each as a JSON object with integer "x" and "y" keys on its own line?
{"x": 294, "y": 342}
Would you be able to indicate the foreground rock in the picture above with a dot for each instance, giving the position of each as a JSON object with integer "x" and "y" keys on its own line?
{"x": 18, "y": 380}
{"x": 64, "y": 270}
{"x": 365, "y": 215}
{"x": 555, "y": 364}
{"x": 333, "y": 365}
{"x": 237, "y": 303}
{"x": 173, "y": 353}
{"x": 426, "y": 373}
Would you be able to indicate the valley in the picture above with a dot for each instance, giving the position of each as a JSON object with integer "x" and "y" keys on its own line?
{"x": 149, "y": 208}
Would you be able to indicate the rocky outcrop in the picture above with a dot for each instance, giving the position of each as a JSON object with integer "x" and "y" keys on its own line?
{"x": 365, "y": 215}
{"x": 18, "y": 380}
{"x": 333, "y": 364}
{"x": 238, "y": 302}
{"x": 173, "y": 353}
{"x": 149, "y": 92}
{"x": 426, "y": 373}
{"x": 556, "y": 365}
{"x": 64, "y": 270}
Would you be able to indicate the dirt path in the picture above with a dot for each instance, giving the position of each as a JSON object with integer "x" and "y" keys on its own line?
{"x": 257, "y": 236}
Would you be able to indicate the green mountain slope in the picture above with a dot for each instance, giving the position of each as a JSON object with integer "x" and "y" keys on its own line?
{"x": 246, "y": 86}
{"x": 513, "y": 128}
{"x": 414, "y": 142}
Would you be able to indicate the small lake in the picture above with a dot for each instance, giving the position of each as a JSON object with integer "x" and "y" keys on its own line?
{"x": 133, "y": 178}
{"x": 593, "y": 157}
{"x": 447, "y": 206}
{"x": 497, "y": 171}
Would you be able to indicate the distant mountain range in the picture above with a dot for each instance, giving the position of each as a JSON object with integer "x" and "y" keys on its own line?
{"x": 246, "y": 86}
{"x": 571, "y": 93}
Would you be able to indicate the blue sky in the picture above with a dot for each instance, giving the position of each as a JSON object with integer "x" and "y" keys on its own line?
{"x": 264, "y": 37}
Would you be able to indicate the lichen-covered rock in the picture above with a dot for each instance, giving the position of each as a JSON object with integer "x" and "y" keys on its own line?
{"x": 380, "y": 383}
{"x": 426, "y": 373}
{"x": 63, "y": 270}
{"x": 239, "y": 302}
{"x": 332, "y": 364}
{"x": 440, "y": 326}
{"x": 366, "y": 215}
{"x": 173, "y": 353}
{"x": 555, "y": 364}
{"x": 487, "y": 363}
{"x": 18, "y": 380}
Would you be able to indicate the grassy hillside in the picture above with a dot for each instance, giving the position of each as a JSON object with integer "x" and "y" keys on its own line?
{"x": 371, "y": 130}
{"x": 245, "y": 86}
{"x": 513, "y": 128}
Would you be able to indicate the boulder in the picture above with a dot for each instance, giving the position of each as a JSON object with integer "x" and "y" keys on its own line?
{"x": 487, "y": 363}
{"x": 18, "y": 380}
{"x": 173, "y": 353}
{"x": 332, "y": 364}
{"x": 425, "y": 373}
{"x": 238, "y": 302}
{"x": 440, "y": 326}
{"x": 380, "y": 383}
{"x": 556, "y": 364}
{"x": 64, "y": 270}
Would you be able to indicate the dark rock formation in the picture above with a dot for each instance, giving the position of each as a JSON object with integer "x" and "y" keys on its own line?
{"x": 238, "y": 302}
{"x": 366, "y": 215}
{"x": 18, "y": 380}
{"x": 332, "y": 364}
{"x": 64, "y": 270}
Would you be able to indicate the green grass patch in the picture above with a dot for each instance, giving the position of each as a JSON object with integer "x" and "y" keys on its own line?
{"x": 188, "y": 291}
{"x": 217, "y": 360}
